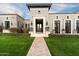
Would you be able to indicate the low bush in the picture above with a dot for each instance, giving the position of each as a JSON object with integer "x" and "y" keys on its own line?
{"x": 16, "y": 30}
{"x": 1, "y": 28}
{"x": 13, "y": 30}
{"x": 25, "y": 30}
{"x": 19, "y": 30}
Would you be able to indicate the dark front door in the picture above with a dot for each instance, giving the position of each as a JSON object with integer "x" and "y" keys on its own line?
{"x": 7, "y": 24}
{"x": 39, "y": 25}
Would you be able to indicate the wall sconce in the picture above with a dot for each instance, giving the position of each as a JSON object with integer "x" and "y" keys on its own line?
{"x": 7, "y": 18}
{"x": 31, "y": 23}
{"x": 2, "y": 24}
{"x": 38, "y": 11}
{"x": 46, "y": 23}
{"x": 11, "y": 23}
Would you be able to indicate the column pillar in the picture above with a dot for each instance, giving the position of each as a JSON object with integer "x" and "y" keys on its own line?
{"x": 34, "y": 22}
{"x": 44, "y": 25}
{"x": 72, "y": 28}
{"x": 61, "y": 26}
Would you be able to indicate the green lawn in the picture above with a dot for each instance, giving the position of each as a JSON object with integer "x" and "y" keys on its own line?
{"x": 63, "y": 45}
{"x": 15, "y": 44}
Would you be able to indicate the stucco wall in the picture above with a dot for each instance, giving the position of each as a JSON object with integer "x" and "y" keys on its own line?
{"x": 62, "y": 18}
{"x": 15, "y": 20}
{"x": 20, "y": 22}
{"x": 39, "y": 13}
{"x": 11, "y": 18}
{"x": 35, "y": 13}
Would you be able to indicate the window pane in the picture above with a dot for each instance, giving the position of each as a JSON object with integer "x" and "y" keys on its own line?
{"x": 77, "y": 26}
{"x": 78, "y": 17}
{"x": 68, "y": 26}
{"x": 57, "y": 26}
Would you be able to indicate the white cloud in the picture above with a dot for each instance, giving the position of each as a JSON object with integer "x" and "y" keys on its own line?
{"x": 55, "y": 8}
{"x": 8, "y": 8}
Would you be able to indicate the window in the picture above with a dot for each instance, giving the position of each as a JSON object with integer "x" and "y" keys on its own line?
{"x": 38, "y": 11}
{"x": 26, "y": 25}
{"x": 46, "y": 23}
{"x": 68, "y": 26}
{"x": 67, "y": 17}
{"x": 56, "y": 17}
{"x": 78, "y": 17}
{"x": 57, "y": 26}
{"x": 77, "y": 26}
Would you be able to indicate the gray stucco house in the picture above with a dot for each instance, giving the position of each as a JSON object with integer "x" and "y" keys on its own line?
{"x": 8, "y": 21}
{"x": 42, "y": 21}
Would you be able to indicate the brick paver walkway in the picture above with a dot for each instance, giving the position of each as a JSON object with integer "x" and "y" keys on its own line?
{"x": 39, "y": 48}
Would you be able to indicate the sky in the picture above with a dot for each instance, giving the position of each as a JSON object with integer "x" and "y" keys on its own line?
{"x": 22, "y": 10}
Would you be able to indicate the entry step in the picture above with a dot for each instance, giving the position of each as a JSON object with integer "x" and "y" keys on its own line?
{"x": 6, "y": 31}
{"x": 39, "y": 35}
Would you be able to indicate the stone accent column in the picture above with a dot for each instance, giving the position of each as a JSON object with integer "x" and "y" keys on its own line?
{"x": 34, "y": 22}
{"x": 61, "y": 26}
{"x": 44, "y": 25}
{"x": 53, "y": 29}
{"x": 72, "y": 28}
{"x": 75, "y": 26}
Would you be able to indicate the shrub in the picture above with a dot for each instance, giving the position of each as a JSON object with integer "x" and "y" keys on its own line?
{"x": 1, "y": 28}
{"x": 19, "y": 30}
{"x": 25, "y": 30}
{"x": 14, "y": 30}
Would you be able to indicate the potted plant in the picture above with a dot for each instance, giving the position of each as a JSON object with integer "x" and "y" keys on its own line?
{"x": 74, "y": 31}
{"x": 63, "y": 31}
{"x": 53, "y": 31}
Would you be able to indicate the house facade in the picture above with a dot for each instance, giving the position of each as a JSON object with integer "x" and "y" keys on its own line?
{"x": 8, "y": 21}
{"x": 44, "y": 22}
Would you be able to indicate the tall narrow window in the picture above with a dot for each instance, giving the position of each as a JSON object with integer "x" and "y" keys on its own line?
{"x": 77, "y": 26}
{"x": 67, "y": 17}
{"x": 26, "y": 25}
{"x": 68, "y": 26}
{"x": 57, "y": 26}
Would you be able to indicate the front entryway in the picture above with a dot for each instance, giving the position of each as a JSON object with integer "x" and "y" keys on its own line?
{"x": 39, "y": 25}
{"x": 7, "y": 24}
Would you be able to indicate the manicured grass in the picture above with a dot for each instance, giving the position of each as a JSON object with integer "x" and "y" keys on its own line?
{"x": 63, "y": 45}
{"x": 15, "y": 44}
